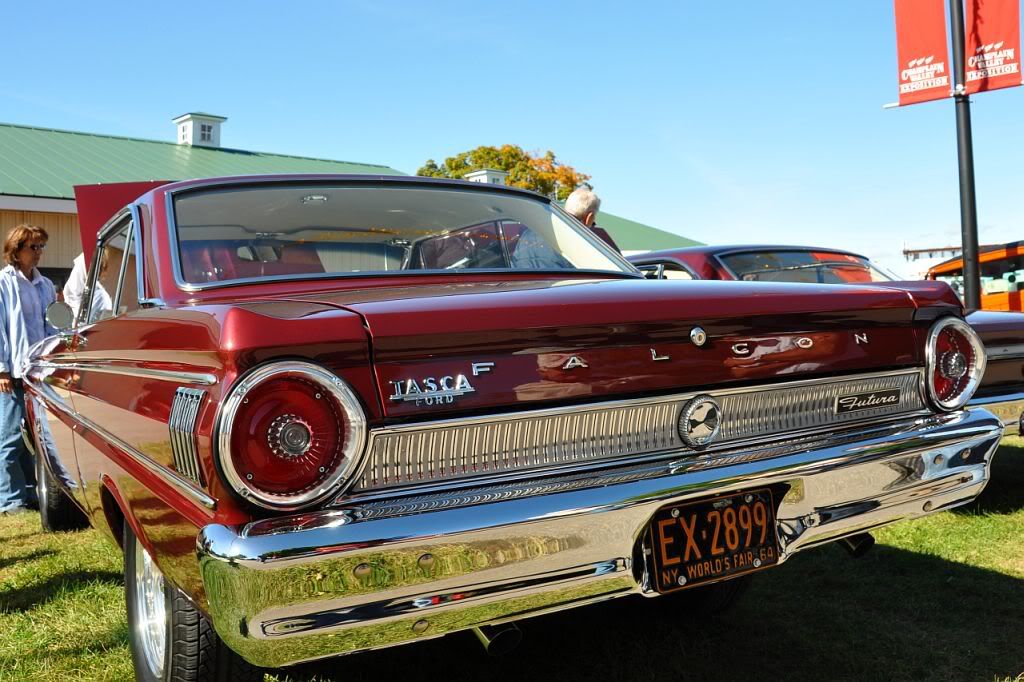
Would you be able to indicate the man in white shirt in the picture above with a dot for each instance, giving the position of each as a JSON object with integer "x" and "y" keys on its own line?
{"x": 75, "y": 287}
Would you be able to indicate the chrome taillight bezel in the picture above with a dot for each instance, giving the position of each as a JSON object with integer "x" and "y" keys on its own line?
{"x": 352, "y": 449}
{"x": 975, "y": 371}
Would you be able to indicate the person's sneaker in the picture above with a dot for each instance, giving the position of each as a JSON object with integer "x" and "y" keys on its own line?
{"x": 13, "y": 511}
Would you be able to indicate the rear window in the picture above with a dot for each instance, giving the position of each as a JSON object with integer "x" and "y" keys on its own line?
{"x": 292, "y": 230}
{"x": 813, "y": 267}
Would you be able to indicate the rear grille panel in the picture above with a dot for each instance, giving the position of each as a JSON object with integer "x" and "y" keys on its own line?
{"x": 182, "y": 427}
{"x": 461, "y": 449}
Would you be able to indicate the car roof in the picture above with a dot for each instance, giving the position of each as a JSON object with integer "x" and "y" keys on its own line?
{"x": 395, "y": 180}
{"x": 721, "y": 250}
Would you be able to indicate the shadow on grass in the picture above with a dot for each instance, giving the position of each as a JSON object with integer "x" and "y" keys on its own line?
{"x": 892, "y": 615}
{"x": 35, "y": 594}
{"x": 36, "y": 554}
{"x": 1004, "y": 493}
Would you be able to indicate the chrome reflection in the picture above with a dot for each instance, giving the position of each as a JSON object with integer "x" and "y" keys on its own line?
{"x": 108, "y": 367}
{"x": 357, "y": 578}
{"x": 150, "y": 611}
{"x": 1009, "y": 407}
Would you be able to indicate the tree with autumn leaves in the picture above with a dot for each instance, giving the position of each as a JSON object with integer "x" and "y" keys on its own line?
{"x": 541, "y": 173}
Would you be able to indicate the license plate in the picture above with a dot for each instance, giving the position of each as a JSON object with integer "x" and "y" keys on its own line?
{"x": 708, "y": 540}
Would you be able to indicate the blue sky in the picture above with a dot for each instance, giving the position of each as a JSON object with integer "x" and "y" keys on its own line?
{"x": 725, "y": 122}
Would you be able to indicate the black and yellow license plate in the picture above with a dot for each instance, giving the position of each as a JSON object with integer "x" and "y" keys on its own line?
{"x": 700, "y": 542}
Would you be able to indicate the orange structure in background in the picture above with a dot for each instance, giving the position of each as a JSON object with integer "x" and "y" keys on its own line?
{"x": 1002, "y": 275}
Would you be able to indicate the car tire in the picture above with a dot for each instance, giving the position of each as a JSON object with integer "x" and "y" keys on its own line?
{"x": 709, "y": 600}
{"x": 57, "y": 512}
{"x": 170, "y": 639}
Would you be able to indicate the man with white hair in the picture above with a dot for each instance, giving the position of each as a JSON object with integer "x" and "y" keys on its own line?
{"x": 583, "y": 205}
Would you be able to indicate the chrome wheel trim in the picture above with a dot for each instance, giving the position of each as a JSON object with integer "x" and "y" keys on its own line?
{"x": 150, "y": 611}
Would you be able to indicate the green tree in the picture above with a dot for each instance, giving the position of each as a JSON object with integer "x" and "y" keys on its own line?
{"x": 541, "y": 173}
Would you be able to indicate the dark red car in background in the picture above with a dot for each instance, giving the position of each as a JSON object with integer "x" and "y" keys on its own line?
{"x": 1002, "y": 388}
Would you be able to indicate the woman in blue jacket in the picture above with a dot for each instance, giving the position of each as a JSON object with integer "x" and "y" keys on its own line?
{"x": 24, "y": 296}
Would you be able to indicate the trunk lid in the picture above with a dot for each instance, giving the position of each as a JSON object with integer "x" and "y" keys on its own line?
{"x": 470, "y": 346}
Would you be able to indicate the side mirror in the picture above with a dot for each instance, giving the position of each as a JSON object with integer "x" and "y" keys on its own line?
{"x": 59, "y": 315}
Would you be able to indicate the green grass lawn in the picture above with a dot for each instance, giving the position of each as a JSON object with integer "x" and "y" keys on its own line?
{"x": 937, "y": 599}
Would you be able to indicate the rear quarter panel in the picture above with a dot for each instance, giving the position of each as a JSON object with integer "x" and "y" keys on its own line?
{"x": 128, "y": 370}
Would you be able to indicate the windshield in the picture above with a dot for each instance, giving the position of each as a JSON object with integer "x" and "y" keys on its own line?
{"x": 294, "y": 230}
{"x": 814, "y": 267}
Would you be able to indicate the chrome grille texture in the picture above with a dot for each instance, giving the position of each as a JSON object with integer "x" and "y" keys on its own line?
{"x": 466, "y": 448}
{"x": 182, "y": 425}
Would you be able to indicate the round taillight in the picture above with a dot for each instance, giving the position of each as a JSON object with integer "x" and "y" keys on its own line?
{"x": 289, "y": 434}
{"x": 955, "y": 359}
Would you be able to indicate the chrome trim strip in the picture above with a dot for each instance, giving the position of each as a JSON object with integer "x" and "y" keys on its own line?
{"x": 106, "y": 366}
{"x": 182, "y": 427}
{"x": 140, "y": 283}
{"x": 171, "y": 478}
{"x": 563, "y": 542}
{"x": 1009, "y": 352}
{"x": 446, "y": 451}
{"x": 129, "y": 244}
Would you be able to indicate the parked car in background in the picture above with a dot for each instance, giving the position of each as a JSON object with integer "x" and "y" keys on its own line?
{"x": 1001, "y": 268}
{"x": 325, "y": 414}
{"x": 1002, "y": 388}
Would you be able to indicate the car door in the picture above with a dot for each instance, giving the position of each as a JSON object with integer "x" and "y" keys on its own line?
{"x": 109, "y": 392}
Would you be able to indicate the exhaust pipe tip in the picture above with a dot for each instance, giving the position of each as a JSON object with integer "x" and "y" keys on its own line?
{"x": 499, "y": 640}
{"x": 858, "y": 545}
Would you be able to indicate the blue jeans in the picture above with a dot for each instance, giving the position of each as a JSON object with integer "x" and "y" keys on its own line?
{"x": 17, "y": 473}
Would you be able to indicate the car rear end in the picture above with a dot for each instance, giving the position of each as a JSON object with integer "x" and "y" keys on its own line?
{"x": 531, "y": 457}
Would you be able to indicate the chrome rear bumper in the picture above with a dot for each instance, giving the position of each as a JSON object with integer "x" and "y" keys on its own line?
{"x": 1008, "y": 407}
{"x": 311, "y": 585}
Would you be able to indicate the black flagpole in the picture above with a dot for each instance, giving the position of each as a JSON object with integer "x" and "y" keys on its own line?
{"x": 965, "y": 156}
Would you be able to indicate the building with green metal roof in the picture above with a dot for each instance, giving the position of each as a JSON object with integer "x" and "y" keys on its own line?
{"x": 633, "y": 237}
{"x": 39, "y": 168}
{"x": 42, "y": 162}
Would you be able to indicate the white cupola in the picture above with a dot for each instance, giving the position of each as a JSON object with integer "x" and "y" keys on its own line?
{"x": 487, "y": 176}
{"x": 198, "y": 129}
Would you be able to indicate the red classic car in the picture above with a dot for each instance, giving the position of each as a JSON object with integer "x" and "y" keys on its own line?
{"x": 1002, "y": 387}
{"x": 324, "y": 414}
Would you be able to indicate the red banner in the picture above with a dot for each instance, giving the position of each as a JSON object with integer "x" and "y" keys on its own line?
{"x": 922, "y": 50}
{"x": 992, "y": 49}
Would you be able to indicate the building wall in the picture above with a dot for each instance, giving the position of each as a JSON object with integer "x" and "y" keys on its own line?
{"x": 65, "y": 241}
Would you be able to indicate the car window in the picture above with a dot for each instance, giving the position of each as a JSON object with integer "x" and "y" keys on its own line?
{"x": 267, "y": 232}
{"x": 664, "y": 270}
{"x": 1005, "y": 275}
{"x": 106, "y": 269}
{"x": 674, "y": 271}
{"x": 820, "y": 267}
